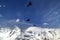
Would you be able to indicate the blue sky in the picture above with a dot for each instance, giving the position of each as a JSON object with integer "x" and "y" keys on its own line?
{"x": 45, "y": 13}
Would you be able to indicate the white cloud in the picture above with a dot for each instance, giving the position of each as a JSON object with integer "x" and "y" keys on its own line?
{"x": 17, "y": 20}
{"x": 45, "y": 23}
{"x": 0, "y": 5}
{"x": 4, "y": 5}
{"x": 1, "y": 15}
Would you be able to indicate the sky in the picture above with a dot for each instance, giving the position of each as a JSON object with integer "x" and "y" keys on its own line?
{"x": 44, "y": 13}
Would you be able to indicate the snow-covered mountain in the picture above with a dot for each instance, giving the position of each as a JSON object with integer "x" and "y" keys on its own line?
{"x": 9, "y": 34}
{"x": 43, "y": 33}
{"x": 31, "y": 33}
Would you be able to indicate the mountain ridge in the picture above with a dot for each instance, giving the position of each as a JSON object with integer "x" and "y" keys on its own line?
{"x": 31, "y": 33}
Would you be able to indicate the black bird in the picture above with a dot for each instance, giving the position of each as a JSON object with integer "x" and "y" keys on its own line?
{"x": 28, "y": 20}
{"x": 34, "y": 25}
{"x": 29, "y": 4}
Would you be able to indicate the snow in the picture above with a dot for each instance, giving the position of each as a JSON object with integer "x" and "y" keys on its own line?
{"x": 31, "y": 33}
{"x": 9, "y": 34}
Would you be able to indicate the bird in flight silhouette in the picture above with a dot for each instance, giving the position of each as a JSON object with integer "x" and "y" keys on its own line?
{"x": 29, "y": 4}
{"x": 28, "y": 20}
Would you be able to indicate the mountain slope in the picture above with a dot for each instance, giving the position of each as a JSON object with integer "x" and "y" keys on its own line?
{"x": 9, "y": 34}
{"x": 31, "y": 33}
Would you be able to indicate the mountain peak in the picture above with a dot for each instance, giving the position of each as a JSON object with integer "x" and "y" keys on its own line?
{"x": 31, "y": 33}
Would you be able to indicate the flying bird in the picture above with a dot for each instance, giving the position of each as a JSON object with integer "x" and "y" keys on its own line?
{"x": 34, "y": 25}
{"x": 29, "y": 4}
{"x": 28, "y": 20}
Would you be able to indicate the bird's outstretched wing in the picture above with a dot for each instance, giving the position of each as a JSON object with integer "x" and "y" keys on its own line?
{"x": 29, "y": 4}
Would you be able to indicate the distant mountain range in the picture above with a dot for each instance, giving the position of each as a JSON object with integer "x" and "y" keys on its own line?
{"x": 31, "y": 33}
